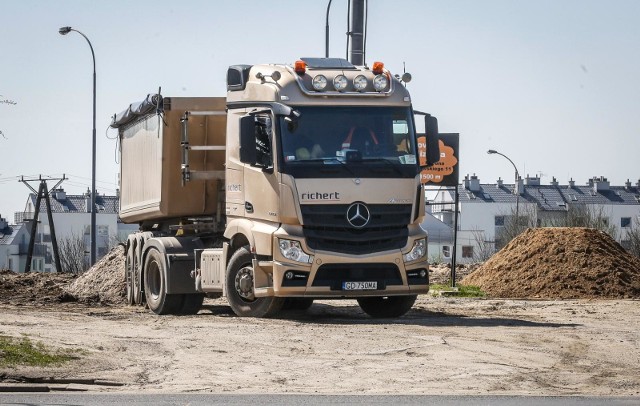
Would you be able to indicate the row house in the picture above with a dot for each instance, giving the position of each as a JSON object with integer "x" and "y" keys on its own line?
{"x": 486, "y": 208}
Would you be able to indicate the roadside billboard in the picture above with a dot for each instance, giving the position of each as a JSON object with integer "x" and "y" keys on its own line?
{"x": 445, "y": 171}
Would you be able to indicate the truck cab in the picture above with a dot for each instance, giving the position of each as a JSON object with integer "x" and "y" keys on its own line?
{"x": 323, "y": 183}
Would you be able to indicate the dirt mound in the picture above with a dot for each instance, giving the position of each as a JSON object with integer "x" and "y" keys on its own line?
{"x": 440, "y": 274}
{"x": 560, "y": 263}
{"x": 33, "y": 288}
{"x": 102, "y": 283}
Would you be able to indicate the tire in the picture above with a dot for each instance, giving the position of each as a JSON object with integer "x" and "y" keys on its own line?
{"x": 297, "y": 304}
{"x": 239, "y": 284}
{"x": 136, "y": 276}
{"x": 386, "y": 307}
{"x": 191, "y": 303}
{"x": 128, "y": 273}
{"x": 155, "y": 287}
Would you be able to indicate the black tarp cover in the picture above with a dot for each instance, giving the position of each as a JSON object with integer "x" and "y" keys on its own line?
{"x": 152, "y": 103}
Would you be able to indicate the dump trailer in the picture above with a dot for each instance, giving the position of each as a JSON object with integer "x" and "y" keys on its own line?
{"x": 303, "y": 183}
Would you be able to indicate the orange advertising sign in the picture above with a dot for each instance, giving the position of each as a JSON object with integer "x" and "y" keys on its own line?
{"x": 445, "y": 171}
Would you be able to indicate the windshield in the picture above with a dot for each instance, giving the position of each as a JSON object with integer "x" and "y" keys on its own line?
{"x": 354, "y": 136}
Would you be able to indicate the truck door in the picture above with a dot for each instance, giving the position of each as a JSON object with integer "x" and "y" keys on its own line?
{"x": 260, "y": 180}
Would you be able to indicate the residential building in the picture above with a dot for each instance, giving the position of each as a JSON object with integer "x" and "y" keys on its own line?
{"x": 14, "y": 244}
{"x": 72, "y": 220}
{"x": 485, "y": 208}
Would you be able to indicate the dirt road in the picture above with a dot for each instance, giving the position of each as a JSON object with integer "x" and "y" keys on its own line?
{"x": 443, "y": 346}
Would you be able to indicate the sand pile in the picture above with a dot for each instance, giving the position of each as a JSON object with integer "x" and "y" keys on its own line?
{"x": 104, "y": 282}
{"x": 440, "y": 274}
{"x": 560, "y": 263}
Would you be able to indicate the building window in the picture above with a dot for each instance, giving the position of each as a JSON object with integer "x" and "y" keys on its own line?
{"x": 625, "y": 222}
{"x": 446, "y": 251}
{"x": 37, "y": 264}
{"x": 499, "y": 221}
{"x": 467, "y": 251}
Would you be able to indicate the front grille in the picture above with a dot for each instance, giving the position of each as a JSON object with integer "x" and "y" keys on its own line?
{"x": 333, "y": 275}
{"x": 326, "y": 228}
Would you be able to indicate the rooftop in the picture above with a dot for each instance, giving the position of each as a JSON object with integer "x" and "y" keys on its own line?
{"x": 64, "y": 203}
{"x": 550, "y": 197}
{"x": 9, "y": 233}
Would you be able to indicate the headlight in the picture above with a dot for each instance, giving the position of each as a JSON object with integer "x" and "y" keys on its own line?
{"x": 360, "y": 83}
{"x": 380, "y": 82}
{"x": 292, "y": 250}
{"x": 340, "y": 82}
{"x": 418, "y": 251}
{"x": 319, "y": 82}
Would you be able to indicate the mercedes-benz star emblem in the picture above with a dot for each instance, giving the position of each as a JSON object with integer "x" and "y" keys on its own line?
{"x": 358, "y": 215}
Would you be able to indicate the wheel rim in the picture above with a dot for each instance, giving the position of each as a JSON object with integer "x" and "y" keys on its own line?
{"x": 244, "y": 284}
{"x": 153, "y": 280}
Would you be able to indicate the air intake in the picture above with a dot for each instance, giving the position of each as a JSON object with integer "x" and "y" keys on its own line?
{"x": 237, "y": 77}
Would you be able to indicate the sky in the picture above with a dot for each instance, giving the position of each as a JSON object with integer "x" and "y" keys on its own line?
{"x": 554, "y": 85}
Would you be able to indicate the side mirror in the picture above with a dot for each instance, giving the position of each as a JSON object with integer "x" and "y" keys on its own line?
{"x": 248, "y": 151}
{"x": 432, "y": 139}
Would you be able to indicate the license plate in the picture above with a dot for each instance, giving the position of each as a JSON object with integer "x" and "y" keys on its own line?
{"x": 359, "y": 285}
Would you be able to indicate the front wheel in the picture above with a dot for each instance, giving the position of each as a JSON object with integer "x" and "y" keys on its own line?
{"x": 240, "y": 288}
{"x": 386, "y": 307}
{"x": 300, "y": 304}
{"x": 159, "y": 301}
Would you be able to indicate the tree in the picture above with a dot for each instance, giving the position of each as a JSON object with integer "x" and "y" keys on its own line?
{"x": 582, "y": 215}
{"x": 632, "y": 241}
{"x": 513, "y": 225}
{"x": 72, "y": 254}
{"x": 485, "y": 248}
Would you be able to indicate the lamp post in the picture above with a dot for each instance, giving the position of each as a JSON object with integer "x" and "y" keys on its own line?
{"x": 515, "y": 185}
{"x": 65, "y": 31}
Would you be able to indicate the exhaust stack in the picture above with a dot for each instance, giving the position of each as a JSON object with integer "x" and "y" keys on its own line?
{"x": 356, "y": 34}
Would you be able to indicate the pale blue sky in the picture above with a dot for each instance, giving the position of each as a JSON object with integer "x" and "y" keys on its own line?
{"x": 553, "y": 84}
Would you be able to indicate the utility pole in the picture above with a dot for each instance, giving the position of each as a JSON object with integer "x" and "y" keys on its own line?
{"x": 42, "y": 193}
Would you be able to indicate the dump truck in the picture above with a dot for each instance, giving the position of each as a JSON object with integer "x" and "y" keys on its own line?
{"x": 302, "y": 184}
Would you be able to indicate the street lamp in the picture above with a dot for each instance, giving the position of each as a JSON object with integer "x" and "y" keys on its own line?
{"x": 515, "y": 185}
{"x": 65, "y": 31}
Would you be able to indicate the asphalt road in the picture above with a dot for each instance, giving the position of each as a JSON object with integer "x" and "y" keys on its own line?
{"x": 160, "y": 399}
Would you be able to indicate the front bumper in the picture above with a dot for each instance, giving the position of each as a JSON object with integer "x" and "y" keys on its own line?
{"x": 325, "y": 275}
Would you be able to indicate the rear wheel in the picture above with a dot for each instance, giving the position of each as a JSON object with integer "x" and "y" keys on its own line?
{"x": 135, "y": 273}
{"x": 386, "y": 307}
{"x": 128, "y": 273}
{"x": 240, "y": 288}
{"x": 155, "y": 287}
